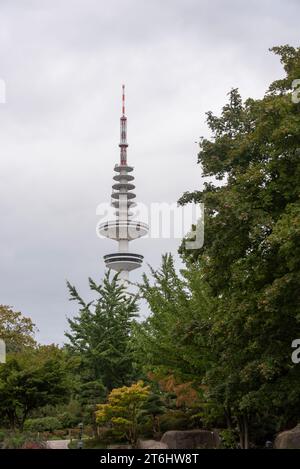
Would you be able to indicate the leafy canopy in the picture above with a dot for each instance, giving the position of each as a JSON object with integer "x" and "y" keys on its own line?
{"x": 16, "y": 330}
{"x": 251, "y": 254}
{"x": 30, "y": 380}
{"x": 123, "y": 409}
{"x": 100, "y": 334}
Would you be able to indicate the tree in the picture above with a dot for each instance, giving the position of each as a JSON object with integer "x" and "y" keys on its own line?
{"x": 170, "y": 340}
{"x": 30, "y": 380}
{"x": 123, "y": 410}
{"x": 16, "y": 330}
{"x": 154, "y": 407}
{"x": 100, "y": 334}
{"x": 89, "y": 394}
{"x": 251, "y": 255}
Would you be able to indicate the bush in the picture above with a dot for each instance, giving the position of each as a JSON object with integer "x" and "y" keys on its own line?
{"x": 174, "y": 420}
{"x": 88, "y": 430}
{"x": 34, "y": 444}
{"x": 91, "y": 443}
{"x": 94, "y": 443}
{"x": 67, "y": 420}
{"x": 229, "y": 438}
{"x": 14, "y": 441}
{"x": 42, "y": 424}
{"x": 61, "y": 434}
{"x": 3, "y": 434}
{"x": 107, "y": 435}
{"x": 22, "y": 441}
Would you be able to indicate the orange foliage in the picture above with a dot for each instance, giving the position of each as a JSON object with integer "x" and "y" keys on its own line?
{"x": 187, "y": 393}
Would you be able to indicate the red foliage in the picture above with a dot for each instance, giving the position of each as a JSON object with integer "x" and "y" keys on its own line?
{"x": 32, "y": 445}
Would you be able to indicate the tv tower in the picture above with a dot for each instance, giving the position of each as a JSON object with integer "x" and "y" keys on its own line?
{"x": 123, "y": 228}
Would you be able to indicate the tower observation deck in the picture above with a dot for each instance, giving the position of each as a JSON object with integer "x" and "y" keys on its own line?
{"x": 123, "y": 228}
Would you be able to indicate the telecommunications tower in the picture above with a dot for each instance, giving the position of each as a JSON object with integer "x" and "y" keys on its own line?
{"x": 123, "y": 228}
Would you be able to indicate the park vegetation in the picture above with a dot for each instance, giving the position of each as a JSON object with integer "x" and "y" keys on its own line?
{"x": 215, "y": 350}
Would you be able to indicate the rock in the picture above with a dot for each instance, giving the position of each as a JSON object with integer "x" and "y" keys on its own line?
{"x": 151, "y": 444}
{"x": 191, "y": 439}
{"x": 290, "y": 439}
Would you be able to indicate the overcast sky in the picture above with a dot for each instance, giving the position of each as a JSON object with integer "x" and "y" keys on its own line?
{"x": 63, "y": 62}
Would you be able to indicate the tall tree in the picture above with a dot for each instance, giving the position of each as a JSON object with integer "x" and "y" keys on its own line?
{"x": 100, "y": 334}
{"x": 251, "y": 254}
{"x": 166, "y": 342}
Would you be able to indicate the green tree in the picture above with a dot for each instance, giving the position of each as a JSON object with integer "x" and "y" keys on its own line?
{"x": 30, "y": 380}
{"x": 100, "y": 334}
{"x": 251, "y": 254}
{"x": 154, "y": 408}
{"x": 16, "y": 330}
{"x": 172, "y": 339}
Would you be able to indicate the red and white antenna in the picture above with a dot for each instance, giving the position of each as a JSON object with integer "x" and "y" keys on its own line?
{"x": 123, "y": 130}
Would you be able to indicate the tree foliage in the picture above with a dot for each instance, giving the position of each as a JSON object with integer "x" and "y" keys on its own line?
{"x": 166, "y": 342}
{"x": 100, "y": 334}
{"x": 30, "y": 380}
{"x": 251, "y": 257}
{"x": 231, "y": 319}
{"x": 16, "y": 330}
{"x": 123, "y": 410}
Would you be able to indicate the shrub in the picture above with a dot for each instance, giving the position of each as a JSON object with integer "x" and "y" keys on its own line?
{"x": 88, "y": 430}
{"x": 94, "y": 443}
{"x": 61, "y": 434}
{"x": 14, "y": 441}
{"x": 34, "y": 445}
{"x": 67, "y": 420}
{"x": 123, "y": 410}
{"x": 174, "y": 420}
{"x": 229, "y": 438}
{"x": 22, "y": 441}
{"x": 42, "y": 424}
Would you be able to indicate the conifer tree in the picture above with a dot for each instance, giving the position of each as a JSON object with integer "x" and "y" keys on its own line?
{"x": 100, "y": 334}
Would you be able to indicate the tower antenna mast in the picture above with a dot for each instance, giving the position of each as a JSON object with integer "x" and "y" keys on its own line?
{"x": 123, "y": 132}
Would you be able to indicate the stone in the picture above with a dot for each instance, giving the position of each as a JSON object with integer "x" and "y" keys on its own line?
{"x": 191, "y": 439}
{"x": 289, "y": 439}
{"x": 151, "y": 444}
